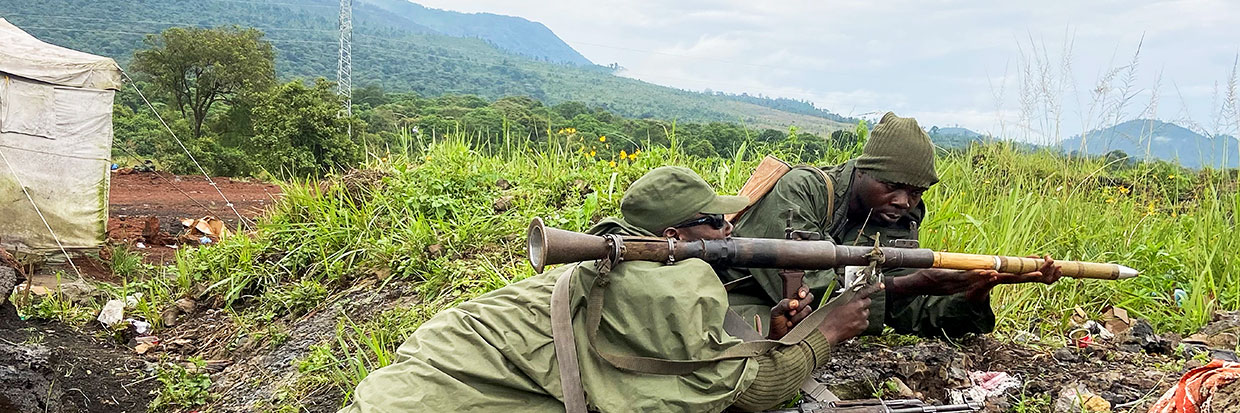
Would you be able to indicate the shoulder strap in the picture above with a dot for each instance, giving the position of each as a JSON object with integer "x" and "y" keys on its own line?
{"x": 826, "y": 179}
{"x": 566, "y": 344}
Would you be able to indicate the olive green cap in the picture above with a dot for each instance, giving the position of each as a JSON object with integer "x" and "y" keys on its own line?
{"x": 899, "y": 151}
{"x": 669, "y": 195}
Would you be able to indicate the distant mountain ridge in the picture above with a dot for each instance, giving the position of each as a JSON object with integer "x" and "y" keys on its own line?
{"x": 513, "y": 34}
{"x": 402, "y": 51}
{"x": 1159, "y": 140}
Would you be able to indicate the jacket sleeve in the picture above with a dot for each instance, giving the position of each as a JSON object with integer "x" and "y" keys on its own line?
{"x": 939, "y": 316}
{"x": 781, "y": 372}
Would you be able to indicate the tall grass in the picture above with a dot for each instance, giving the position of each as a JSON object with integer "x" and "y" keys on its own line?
{"x": 429, "y": 214}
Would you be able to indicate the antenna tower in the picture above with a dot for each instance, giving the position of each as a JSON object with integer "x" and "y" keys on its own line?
{"x": 344, "y": 76}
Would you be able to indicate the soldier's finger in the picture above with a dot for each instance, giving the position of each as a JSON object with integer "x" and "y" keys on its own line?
{"x": 870, "y": 289}
{"x": 802, "y": 314}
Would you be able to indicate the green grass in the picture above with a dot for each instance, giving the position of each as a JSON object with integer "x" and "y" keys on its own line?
{"x": 423, "y": 214}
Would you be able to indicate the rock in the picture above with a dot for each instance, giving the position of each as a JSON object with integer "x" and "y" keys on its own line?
{"x": 434, "y": 251}
{"x": 1078, "y": 398}
{"x": 503, "y": 183}
{"x": 187, "y": 305}
{"x": 26, "y": 379}
{"x": 502, "y": 204}
{"x": 902, "y": 389}
{"x": 1067, "y": 355}
{"x": 169, "y": 316}
{"x": 1142, "y": 334}
{"x": 8, "y": 280}
{"x": 79, "y": 292}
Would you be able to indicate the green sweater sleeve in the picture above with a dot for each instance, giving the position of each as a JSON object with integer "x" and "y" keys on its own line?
{"x": 781, "y": 372}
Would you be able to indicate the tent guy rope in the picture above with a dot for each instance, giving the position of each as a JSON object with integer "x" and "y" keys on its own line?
{"x": 241, "y": 221}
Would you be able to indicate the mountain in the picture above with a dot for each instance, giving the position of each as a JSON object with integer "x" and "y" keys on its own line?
{"x": 508, "y": 33}
{"x": 401, "y": 48}
{"x": 954, "y": 136}
{"x": 1149, "y": 138}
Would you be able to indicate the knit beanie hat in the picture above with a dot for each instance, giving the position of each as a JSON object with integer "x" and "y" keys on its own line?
{"x": 899, "y": 151}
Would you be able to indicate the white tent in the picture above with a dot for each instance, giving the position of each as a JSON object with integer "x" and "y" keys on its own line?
{"x": 56, "y": 139}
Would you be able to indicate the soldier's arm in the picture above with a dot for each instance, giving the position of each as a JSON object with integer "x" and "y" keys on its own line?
{"x": 801, "y": 196}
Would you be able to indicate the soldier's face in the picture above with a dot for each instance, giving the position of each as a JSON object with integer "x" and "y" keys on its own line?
{"x": 714, "y": 228}
{"x": 889, "y": 201}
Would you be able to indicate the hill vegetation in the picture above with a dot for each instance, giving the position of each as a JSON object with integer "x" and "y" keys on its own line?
{"x": 402, "y": 51}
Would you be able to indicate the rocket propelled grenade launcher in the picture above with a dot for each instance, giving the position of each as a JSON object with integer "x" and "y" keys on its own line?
{"x": 549, "y": 246}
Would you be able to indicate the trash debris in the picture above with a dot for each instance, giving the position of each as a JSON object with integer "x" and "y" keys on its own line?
{"x": 132, "y": 299}
{"x": 1116, "y": 320}
{"x": 1080, "y": 338}
{"x": 145, "y": 344}
{"x": 139, "y": 326}
{"x": 1197, "y": 388}
{"x": 140, "y": 245}
{"x": 1078, "y": 398}
{"x": 204, "y": 240}
{"x": 1179, "y": 295}
{"x": 113, "y": 311}
{"x": 206, "y": 227}
{"x": 986, "y": 384}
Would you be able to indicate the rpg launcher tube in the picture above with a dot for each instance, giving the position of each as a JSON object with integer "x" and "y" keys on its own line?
{"x": 549, "y": 246}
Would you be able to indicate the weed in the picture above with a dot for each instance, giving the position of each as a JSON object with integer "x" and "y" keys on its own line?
{"x": 182, "y": 388}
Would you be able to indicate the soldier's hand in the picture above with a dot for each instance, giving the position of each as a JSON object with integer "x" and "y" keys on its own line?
{"x": 789, "y": 312}
{"x": 1048, "y": 273}
{"x": 850, "y": 318}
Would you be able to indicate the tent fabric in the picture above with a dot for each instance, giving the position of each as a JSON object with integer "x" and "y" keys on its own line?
{"x": 56, "y": 134}
{"x": 24, "y": 55}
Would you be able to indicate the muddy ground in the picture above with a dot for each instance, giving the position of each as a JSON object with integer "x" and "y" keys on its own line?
{"x": 53, "y": 367}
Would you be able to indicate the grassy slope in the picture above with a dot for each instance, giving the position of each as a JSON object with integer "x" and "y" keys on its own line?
{"x": 323, "y": 238}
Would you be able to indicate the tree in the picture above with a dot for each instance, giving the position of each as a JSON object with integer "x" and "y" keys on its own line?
{"x": 298, "y": 129}
{"x": 197, "y": 68}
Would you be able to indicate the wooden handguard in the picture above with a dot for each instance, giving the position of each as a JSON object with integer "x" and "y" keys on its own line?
{"x": 1020, "y": 265}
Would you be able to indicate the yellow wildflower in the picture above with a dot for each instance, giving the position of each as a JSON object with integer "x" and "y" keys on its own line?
{"x": 592, "y": 153}
{"x": 613, "y": 164}
{"x": 623, "y": 154}
{"x": 1110, "y": 200}
{"x": 633, "y": 156}
{"x": 1122, "y": 189}
{"x": 428, "y": 158}
{"x": 602, "y": 138}
{"x": 1170, "y": 176}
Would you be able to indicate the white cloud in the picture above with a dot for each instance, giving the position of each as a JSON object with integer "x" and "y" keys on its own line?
{"x": 942, "y": 60}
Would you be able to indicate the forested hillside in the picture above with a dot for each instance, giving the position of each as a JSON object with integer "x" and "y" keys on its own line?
{"x": 394, "y": 51}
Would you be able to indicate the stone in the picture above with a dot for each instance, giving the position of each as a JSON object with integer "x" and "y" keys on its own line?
{"x": 187, "y": 305}
{"x": 79, "y": 292}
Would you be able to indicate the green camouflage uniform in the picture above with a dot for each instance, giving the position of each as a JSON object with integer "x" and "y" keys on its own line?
{"x": 496, "y": 353}
{"x": 803, "y": 192}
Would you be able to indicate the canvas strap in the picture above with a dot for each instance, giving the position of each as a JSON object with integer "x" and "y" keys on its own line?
{"x": 566, "y": 344}
{"x": 826, "y": 179}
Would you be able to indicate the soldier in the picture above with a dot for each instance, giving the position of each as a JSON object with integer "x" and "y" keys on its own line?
{"x": 498, "y": 352}
{"x": 878, "y": 194}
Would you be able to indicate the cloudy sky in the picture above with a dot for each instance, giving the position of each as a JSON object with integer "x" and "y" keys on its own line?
{"x": 990, "y": 66}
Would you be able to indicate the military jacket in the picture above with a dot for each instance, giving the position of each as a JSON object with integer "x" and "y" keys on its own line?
{"x": 799, "y": 199}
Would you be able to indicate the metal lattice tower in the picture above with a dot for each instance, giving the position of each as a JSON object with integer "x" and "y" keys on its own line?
{"x": 344, "y": 72}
